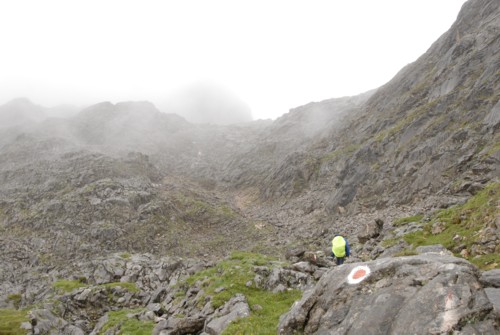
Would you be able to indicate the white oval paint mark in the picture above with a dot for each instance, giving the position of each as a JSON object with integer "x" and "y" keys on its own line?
{"x": 358, "y": 274}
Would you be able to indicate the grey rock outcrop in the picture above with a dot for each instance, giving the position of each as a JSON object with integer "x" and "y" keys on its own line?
{"x": 433, "y": 249}
{"x": 491, "y": 281}
{"x": 370, "y": 230}
{"x": 406, "y": 141}
{"x": 491, "y": 278}
{"x": 48, "y": 323}
{"x": 279, "y": 279}
{"x": 181, "y": 326}
{"x": 428, "y": 294}
{"x": 237, "y": 307}
{"x": 493, "y": 295}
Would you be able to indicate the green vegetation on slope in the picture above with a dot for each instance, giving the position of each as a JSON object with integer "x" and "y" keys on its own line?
{"x": 230, "y": 277}
{"x": 124, "y": 321}
{"x": 131, "y": 287}
{"x": 340, "y": 152}
{"x": 10, "y": 321}
{"x": 196, "y": 210}
{"x": 403, "y": 221}
{"x": 125, "y": 255}
{"x": 15, "y": 299}
{"x": 66, "y": 286}
{"x": 465, "y": 227}
{"x": 492, "y": 148}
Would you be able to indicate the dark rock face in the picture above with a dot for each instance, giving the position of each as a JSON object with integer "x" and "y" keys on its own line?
{"x": 427, "y": 294}
{"x": 409, "y": 133}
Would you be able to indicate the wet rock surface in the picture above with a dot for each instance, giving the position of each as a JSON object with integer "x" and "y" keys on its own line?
{"x": 418, "y": 294}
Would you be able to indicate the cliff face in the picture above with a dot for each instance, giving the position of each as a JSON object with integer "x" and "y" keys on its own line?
{"x": 433, "y": 126}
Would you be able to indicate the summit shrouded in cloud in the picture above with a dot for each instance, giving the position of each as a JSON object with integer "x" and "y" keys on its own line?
{"x": 275, "y": 55}
{"x": 209, "y": 103}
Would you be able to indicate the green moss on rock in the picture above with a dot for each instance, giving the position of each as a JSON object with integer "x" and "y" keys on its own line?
{"x": 66, "y": 286}
{"x": 463, "y": 227}
{"x": 15, "y": 299}
{"x": 230, "y": 277}
{"x": 409, "y": 219}
{"x": 131, "y": 287}
{"x": 124, "y": 322}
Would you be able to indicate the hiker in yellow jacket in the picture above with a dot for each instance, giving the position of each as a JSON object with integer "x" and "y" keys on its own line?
{"x": 340, "y": 249}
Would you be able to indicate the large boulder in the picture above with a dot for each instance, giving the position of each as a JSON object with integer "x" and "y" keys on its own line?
{"x": 174, "y": 326}
{"x": 279, "y": 279}
{"x": 45, "y": 322}
{"x": 237, "y": 307}
{"x": 424, "y": 294}
{"x": 370, "y": 230}
{"x": 491, "y": 278}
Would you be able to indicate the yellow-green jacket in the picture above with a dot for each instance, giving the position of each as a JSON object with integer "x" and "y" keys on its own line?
{"x": 340, "y": 247}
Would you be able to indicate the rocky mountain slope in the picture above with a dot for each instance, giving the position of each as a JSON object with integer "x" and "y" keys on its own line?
{"x": 435, "y": 123}
{"x": 124, "y": 219}
{"x": 418, "y": 140}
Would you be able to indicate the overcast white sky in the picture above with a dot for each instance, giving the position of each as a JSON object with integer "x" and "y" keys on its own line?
{"x": 273, "y": 54}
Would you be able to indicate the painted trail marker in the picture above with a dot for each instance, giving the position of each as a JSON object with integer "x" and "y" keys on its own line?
{"x": 358, "y": 274}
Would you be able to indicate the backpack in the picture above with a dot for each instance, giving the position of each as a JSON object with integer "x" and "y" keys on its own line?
{"x": 338, "y": 246}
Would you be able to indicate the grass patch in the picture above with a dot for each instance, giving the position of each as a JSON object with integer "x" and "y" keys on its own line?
{"x": 390, "y": 242}
{"x": 406, "y": 252}
{"x": 406, "y": 220}
{"x": 487, "y": 262}
{"x": 343, "y": 151}
{"x": 121, "y": 322}
{"x": 492, "y": 149}
{"x": 66, "y": 286}
{"x": 265, "y": 320}
{"x": 413, "y": 114}
{"x": 15, "y": 299}
{"x": 10, "y": 321}
{"x": 125, "y": 255}
{"x": 197, "y": 210}
{"x": 131, "y": 287}
{"x": 375, "y": 166}
{"x": 251, "y": 258}
{"x": 89, "y": 189}
{"x": 467, "y": 221}
{"x": 233, "y": 274}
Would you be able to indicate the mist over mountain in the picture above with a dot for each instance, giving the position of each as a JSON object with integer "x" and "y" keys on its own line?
{"x": 20, "y": 111}
{"x": 209, "y": 103}
{"x": 121, "y": 215}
